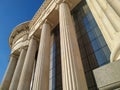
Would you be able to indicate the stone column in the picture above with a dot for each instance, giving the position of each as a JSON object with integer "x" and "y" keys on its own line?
{"x": 115, "y": 5}
{"x": 41, "y": 79}
{"x": 26, "y": 74}
{"x": 73, "y": 76}
{"x": 9, "y": 73}
{"x": 17, "y": 73}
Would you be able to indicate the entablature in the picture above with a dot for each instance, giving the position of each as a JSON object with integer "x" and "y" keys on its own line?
{"x": 22, "y": 30}
{"x": 49, "y": 11}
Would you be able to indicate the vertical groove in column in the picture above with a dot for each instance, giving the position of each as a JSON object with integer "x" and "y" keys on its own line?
{"x": 109, "y": 28}
{"x": 63, "y": 61}
{"x": 114, "y": 20}
{"x": 105, "y": 25}
{"x": 72, "y": 69}
{"x": 26, "y": 74}
{"x": 100, "y": 23}
{"x": 69, "y": 60}
{"x": 115, "y": 4}
{"x": 17, "y": 73}
{"x": 9, "y": 73}
{"x": 66, "y": 61}
{"x": 110, "y": 13}
{"x": 41, "y": 81}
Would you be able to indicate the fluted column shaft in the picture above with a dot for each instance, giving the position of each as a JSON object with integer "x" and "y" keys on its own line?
{"x": 18, "y": 69}
{"x": 73, "y": 76}
{"x": 26, "y": 74}
{"x": 108, "y": 21}
{"x": 111, "y": 8}
{"x": 102, "y": 21}
{"x": 41, "y": 80}
{"x": 115, "y": 5}
{"x": 9, "y": 73}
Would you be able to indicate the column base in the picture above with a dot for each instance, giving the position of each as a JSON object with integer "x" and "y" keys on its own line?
{"x": 108, "y": 77}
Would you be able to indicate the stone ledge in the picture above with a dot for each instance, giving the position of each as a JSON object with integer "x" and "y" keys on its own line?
{"x": 108, "y": 77}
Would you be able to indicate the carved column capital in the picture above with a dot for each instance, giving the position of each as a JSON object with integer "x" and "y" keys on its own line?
{"x": 58, "y": 2}
{"x": 35, "y": 38}
{"x": 14, "y": 56}
{"x": 24, "y": 47}
{"x": 47, "y": 21}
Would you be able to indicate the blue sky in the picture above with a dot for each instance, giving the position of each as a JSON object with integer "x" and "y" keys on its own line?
{"x": 12, "y": 13}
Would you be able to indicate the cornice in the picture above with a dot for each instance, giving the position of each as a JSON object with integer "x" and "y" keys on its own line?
{"x": 19, "y": 35}
{"x": 18, "y": 46}
{"x": 49, "y": 10}
{"x": 43, "y": 13}
{"x": 38, "y": 13}
{"x": 18, "y": 31}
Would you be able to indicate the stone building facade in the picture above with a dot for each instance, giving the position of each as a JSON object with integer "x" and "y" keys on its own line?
{"x": 68, "y": 45}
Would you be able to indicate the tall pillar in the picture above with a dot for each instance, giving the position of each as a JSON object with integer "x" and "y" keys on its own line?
{"x": 41, "y": 79}
{"x": 73, "y": 76}
{"x": 17, "y": 73}
{"x": 26, "y": 74}
{"x": 115, "y": 5}
{"x": 9, "y": 73}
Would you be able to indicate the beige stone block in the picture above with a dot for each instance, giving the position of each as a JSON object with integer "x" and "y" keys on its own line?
{"x": 108, "y": 76}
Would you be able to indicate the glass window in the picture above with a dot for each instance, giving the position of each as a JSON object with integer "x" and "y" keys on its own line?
{"x": 93, "y": 48}
{"x": 95, "y": 45}
{"x": 55, "y": 62}
{"x": 101, "y": 58}
{"x": 102, "y": 42}
{"x": 52, "y": 67}
{"x": 97, "y": 31}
